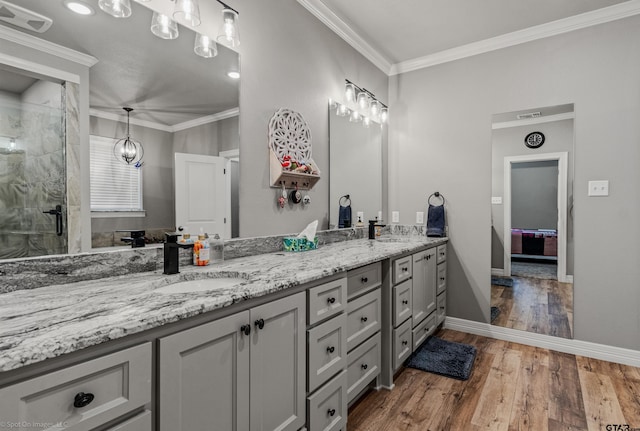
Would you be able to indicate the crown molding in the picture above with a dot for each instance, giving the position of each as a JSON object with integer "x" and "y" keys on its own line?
{"x": 233, "y": 112}
{"x": 342, "y": 29}
{"x": 47, "y": 47}
{"x": 532, "y": 121}
{"x": 553, "y": 28}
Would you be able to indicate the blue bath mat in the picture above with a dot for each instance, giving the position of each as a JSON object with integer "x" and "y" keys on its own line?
{"x": 443, "y": 357}
{"x": 502, "y": 281}
{"x": 495, "y": 312}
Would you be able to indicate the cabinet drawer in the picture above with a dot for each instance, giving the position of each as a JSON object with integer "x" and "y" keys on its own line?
{"x": 327, "y": 408}
{"x": 401, "y": 302}
{"x": 119, "y": 382}
{"x": 142, "y": 422}
{"x": 442, "y": 277}
{"x": 364, "y": 279}
{"x": 401, "y": 344}
{"x": 363, "y": 318}
{"x": 327, "y": 354}
{"x": 423, "y": 330}
{"x": 363, "y": 366}
{"x": 401, "y": 269}
{"x": 441, "y": 311}
{"x": 442, "y": 253}
{"x": 326, "y": 300}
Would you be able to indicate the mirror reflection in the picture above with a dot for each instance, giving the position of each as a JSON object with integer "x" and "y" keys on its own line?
{"x": 182, "y": 103}
{"x": 355, "y": 163}
{"x": 532, "y": 220}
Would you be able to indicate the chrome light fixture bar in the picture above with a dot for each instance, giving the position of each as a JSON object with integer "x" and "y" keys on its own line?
{"x": 367, "y": 101}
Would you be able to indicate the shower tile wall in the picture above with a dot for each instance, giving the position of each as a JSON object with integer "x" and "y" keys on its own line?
{"x": 32, "y": 178}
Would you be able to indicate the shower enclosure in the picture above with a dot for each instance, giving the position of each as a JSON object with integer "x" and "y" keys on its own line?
{"x": 32, "y": 167}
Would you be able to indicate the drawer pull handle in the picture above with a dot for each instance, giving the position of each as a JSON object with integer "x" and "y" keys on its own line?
{"x": 82, "y": 400}
{"x": 405, "y": 342}
{"x": 442, "y": 307}
{"x": 364, "y": 279}
{"x": 245, "y": 329}
{"x": 259, "y": 323}
{"x": 331, "y": 412}
{"x": 364, "y": 318}
{"x": 405, "y": 301}
{"x": 441, "y": 278}
{"x": 365, "y": 366}
{"x": 331, "y": 300}
{"x": 331, "y": 349}
{"x": 405, "y": 269}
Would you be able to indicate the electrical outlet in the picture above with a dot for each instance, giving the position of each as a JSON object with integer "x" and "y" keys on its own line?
{"x": 599, "y": 188}
{"x": 360, "y": 216}
{"x": 395, "y": 216}
{"x": 419, "y": 217}
{"x": 496, "y": 200}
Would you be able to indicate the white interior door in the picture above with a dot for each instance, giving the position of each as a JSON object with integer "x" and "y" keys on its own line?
{"x": 200, "y": 189}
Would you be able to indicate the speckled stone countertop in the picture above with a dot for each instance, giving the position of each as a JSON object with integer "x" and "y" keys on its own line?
{"x": 51, "y": 321}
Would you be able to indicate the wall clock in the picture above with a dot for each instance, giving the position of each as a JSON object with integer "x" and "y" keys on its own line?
{"x": 534, "y": 140}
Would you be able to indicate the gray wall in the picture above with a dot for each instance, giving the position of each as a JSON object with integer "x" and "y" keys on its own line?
{"x": 208, "y": 139}
{"x": 534, "y": 195}
{"x": 440, "y": 139}
{"x": 559, "y": 137}
{"x": 290, "y": 59}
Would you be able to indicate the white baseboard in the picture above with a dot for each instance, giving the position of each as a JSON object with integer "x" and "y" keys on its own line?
{"x": 576, "y": 347}
{"x": 499, "y": 272}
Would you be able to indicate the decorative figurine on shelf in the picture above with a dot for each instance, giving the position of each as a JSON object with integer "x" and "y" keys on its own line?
{"x": 286, "y": 162}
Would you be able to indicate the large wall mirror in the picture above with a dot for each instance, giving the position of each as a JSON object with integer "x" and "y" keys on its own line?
{"x": 355, "y": 163}
{"x": 532, "y": 220}
{"x": 183, "y": 103}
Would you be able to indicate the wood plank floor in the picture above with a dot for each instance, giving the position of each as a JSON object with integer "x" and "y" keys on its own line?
{"x": 535, "y": 305}
{"x": 512, "y": 387}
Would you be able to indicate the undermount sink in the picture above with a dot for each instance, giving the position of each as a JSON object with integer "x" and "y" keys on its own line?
{"x": 201, "y": 285}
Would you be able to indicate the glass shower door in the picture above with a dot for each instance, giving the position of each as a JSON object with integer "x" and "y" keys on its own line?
{"x": 32, "y": 171}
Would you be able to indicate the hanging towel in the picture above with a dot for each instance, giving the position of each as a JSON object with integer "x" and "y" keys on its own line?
{"x": 435, "y": 220}
{"x": 344, "y": 216}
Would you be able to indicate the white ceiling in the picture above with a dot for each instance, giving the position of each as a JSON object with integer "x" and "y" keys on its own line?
{"x": 394, "y": 32}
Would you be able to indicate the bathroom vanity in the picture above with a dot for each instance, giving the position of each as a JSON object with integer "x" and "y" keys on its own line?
{"x": 286, "y": 342}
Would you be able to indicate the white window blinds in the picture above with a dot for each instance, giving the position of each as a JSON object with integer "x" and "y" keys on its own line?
{"x": 115, "y": 186}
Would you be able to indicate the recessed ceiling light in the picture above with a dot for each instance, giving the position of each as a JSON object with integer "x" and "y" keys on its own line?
{"x": 233, "y": 75}
{"x": 79, "y": 7}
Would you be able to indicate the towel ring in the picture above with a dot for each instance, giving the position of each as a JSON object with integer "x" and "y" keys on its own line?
{"x": 437, "y": 195}
{"x": 347, "y": 200}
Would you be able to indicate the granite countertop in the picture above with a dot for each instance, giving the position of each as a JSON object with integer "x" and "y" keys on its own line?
{"x": 51, "y": 321}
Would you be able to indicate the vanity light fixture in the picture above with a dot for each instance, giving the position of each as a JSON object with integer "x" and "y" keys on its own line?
{"x": 116, "y": 8}
{"x": 342, "y": 110}
{"x": 187, "y": 11}
{"x": 79, "y": 7}
{"x": 126, "y": 150}
{"x": 228, "y": 33}
{"x": 163, "y": 26}
{"x": 369, "y": 106}
{"x": 366, "y": 122}
{"x": 354, "y": 117}
{"x": 204, "y": 46}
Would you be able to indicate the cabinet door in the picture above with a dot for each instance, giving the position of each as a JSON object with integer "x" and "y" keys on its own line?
{"x": 278, "y": 365}
{"x": 204, "y": 377}
{"x": 424, "y": 285}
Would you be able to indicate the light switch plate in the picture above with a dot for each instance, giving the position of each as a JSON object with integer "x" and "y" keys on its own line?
{"x": 419, "y": 217}
{"x": 599, "y": 188}
{"x": 496, "y": 200}
{"x": 395, "y": 216}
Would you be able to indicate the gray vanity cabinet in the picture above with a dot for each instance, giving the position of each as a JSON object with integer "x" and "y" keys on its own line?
{"x": 242, "y": 372}
{"x": 424, "y": 285}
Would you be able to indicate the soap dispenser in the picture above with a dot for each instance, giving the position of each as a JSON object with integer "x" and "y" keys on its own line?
{"x": 216, "y": 248}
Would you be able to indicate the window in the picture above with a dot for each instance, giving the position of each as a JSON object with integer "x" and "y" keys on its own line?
{"x": 114, "y": 185}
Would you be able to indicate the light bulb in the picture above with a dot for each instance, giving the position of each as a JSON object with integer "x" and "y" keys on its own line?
{"x": 350, "y": 92}
{"x": 163, "y": 26}
{"x": 366, "y": 122}
{"x": 342, "y": 111}
{"x": 355, "y": 117}
{"x": 375, "y": 108}
{"x": 116, "y": 8}
{"x": 204, "y": 46}
{"x": 384, "y": 115}
{"x": 187, "y": 11}
{"x": 363, "y": 100}
{"x": 228, "y": 34}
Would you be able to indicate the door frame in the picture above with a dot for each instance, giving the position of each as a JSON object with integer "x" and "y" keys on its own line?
{"x": 563, "y": 161}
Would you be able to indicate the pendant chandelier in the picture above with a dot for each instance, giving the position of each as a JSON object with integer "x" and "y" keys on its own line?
{"x": 127, "y": 150}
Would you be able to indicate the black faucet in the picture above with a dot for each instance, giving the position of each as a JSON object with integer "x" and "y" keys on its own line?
{"x": 171, "y": 255}
{"x": 136, "y": 239}
{"x": 372, "y": 228}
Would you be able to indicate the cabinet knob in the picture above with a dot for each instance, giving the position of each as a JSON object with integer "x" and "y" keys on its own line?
{"x": 331, "y": 349}
{"x": 245, "y": 329}
{"x": 405, "y": 301}
{"x": 259, "y": 323}
{"x": 331, "y": 412}
{"x": 365, "y": 366}
{"x": 82, "y": 400}
{"x": 441, "y": 278}
{"x": 364, "y": 279}
{"x": 364, "y": 318}
{"x": 331, "y": 300}
{"x": 405, "y": 269}
{"x": 405, "y": 342}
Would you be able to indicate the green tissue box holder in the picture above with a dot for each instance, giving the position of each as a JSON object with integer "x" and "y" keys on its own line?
{"x": 299, "y": 244}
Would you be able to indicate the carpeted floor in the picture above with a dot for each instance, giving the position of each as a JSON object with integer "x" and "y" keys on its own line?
{"x": 546, "y": 271}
